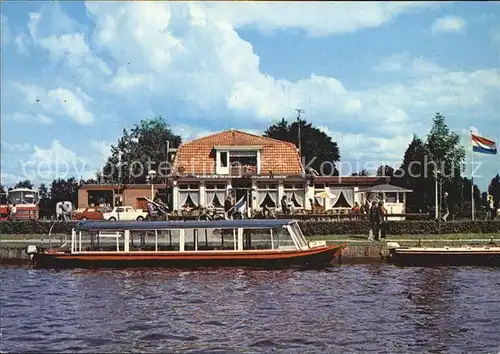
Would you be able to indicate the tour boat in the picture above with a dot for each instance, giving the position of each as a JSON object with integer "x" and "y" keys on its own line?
{"x": 264, "y": 243}
{"x": 488, "y": 255}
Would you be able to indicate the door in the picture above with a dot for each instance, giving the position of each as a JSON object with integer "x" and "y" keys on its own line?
{"x": 241, "y": 186}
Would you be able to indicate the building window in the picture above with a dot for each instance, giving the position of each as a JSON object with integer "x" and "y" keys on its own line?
{"x": 296, "y": 194}
{"x": 223, "y": 159}
{"x": 215, "y": 195}
{"x": 189, "y": 195}
{"x": 342, "y": 197}
{"x": 267, "y": 195}
{"x": 391, "y": 197}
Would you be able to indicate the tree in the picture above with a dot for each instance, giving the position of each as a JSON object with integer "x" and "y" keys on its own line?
{"x": 64, "y": 190}
{"x": 24, "y": 184}
{"x": 445, "y": 149}
{"x": 45, "y": 202}
{"x": 2, "y": 189}
{"x": 139, "y": 150}
{"x": 411, "y": 175}
{"x": 318, "y": 150}
{"x": 385, "y": 171}
{"x": 363, "y": 172}
{"x": 494, "y": 190}
{"x": 447, "y": 153}
{"x": 43, "y": 192}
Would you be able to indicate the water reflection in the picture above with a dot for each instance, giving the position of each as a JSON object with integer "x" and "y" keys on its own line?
{"x": 358, "y": 308}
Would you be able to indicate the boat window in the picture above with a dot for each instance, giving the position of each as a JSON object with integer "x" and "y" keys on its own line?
{"x": 209, "y": 240}
{"x": 91, "y": 241}
{"x": 299, "y": 236}
{"x": 282, "y": 239}
{"x": 257, "y": 239}
{"x": 168, "y": 240}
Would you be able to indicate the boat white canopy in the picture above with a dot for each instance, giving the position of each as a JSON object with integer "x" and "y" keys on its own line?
{"x": 179, "y": 225}
{"x": 246, "y": 234}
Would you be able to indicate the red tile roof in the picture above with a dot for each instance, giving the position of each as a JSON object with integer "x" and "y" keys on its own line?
{"x": 197, "y": 157}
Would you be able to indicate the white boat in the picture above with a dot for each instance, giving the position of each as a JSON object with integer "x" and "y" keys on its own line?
{"x": 259, "y": 243}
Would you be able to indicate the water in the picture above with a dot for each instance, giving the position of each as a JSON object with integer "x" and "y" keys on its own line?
{"x": 348, "y": 309}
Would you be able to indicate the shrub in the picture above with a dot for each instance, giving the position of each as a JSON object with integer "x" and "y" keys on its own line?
{"x": 309, "y": 227}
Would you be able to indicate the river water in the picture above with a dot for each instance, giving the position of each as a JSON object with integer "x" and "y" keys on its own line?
{"x": 349, "y": 309}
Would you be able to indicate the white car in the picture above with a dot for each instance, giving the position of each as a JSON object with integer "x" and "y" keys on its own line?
{"x": 125, "y": 213}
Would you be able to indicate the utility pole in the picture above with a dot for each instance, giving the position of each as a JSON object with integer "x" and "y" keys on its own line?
{"x": 299, "y": 112}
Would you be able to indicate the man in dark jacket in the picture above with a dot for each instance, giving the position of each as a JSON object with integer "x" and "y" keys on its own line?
{"x": 374, "y": 218}
{"x": 382, "y": 212}
{"x": 228, "y": 207}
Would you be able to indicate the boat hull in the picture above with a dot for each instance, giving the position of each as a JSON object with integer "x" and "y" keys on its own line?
{"x": 456, "y": 258}
{"x": 313, "y": 258}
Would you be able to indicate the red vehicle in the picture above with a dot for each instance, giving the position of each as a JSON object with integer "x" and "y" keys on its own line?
{"x": 26, "y": 201}
{"x": 90, "y": 214}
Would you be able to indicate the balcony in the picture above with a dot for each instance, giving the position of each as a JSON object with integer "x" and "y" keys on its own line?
{"x": 243, "y": 170}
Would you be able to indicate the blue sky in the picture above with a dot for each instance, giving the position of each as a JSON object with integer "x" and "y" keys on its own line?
{"x": 369, "y": 74}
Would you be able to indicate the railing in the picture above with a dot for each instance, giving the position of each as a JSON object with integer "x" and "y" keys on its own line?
{"x": 243, "y": 170}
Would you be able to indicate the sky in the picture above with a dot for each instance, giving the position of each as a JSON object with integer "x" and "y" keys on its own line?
{"x": 369, "y": 74}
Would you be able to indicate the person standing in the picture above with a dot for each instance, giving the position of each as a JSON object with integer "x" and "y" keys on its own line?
{"x": 228, "y": 207}
{"x": 382, "y": 211}
{"x": 445, "y": 207}
{"x": 13, "y": 212}
{"x": 374, "y": 218}
{"x": 284, "y": 205}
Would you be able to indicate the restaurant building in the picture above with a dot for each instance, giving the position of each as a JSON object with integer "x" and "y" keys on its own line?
{"x": 261, "y": 169}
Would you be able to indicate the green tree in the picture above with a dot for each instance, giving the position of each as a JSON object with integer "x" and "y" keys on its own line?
{"x": 64, "y": 190}
{"x": 445, "y": 148}
{"x": 139, "y": 150}
{"x": 43, "y": 192}
{"x": 44, "y": 205}
{"x": 363, "y": 172}
{"x": 411, "y": 175}
{"x": 385, "y": 171}
{"x": 24, "y": 184}
{"x": 448, "y": 155}
{"x": 2, "y": 189}
{"x": 318, "y": 150}
{"x": 494, "y": 191}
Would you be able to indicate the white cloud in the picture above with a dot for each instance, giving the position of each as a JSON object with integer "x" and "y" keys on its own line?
{"x": 17, "y": 148}
{"x": 44, "y": 164}
{"x": 58, "y": 101}
{"x": 72, "y": 49}
{"x": 319, "y": 18}
{"x": 448, "y": 24}
{"x": 21, "y": 42}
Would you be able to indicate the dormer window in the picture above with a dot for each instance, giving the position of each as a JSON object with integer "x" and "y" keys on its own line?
{"x": 237, "y": 160}
{"x": 224, "y": 159}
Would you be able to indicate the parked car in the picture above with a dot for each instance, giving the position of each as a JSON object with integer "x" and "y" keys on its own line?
{"x": 90, "y": 214}
{"x": 125, "y": 213}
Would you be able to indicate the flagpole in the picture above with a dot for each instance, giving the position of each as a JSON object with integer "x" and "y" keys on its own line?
{"x": 472, "y": 178}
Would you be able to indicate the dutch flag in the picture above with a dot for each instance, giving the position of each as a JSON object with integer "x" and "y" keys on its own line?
{"x": 483, "y": 145}
{"x": 241, "y": 205}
